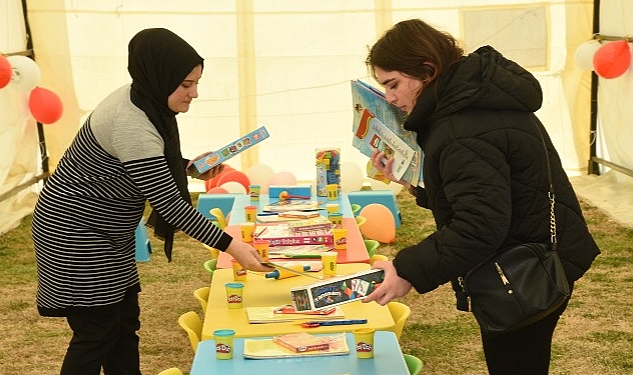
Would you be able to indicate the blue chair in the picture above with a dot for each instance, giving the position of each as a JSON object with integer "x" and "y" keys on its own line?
{"x": 143, "y": 246}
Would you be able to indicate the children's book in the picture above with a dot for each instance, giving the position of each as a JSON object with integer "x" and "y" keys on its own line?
{"x": 225, "y": 153}
{"x": 267, "y": 349}
{"x": 281, "y": 235}
{"x": 276, "y": 314}
{"x": 292, "y": 205}
{"x": 315, "y": 223}
{"x": 378, "y": 124}
{"x": 299, "y": 251}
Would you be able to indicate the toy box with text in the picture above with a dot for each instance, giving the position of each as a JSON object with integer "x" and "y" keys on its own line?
{"x": 328, "y": 170}
{"x": 336, "y": 291}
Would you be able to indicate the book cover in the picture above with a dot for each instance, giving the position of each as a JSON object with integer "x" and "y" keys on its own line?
{"x": 267, "y": 349}
{"x": 292, "y": 205}
{"x": 316, "y": 223}
{"x": 301, "y": 342}
{"x": 281, "y": 235}
{"x": 272, "y": 314}
{"x": 299, "y": 214}
{"x": 225, "y": 153}
{"x": 298, "y": 251}
{"x": 378, "y": 124}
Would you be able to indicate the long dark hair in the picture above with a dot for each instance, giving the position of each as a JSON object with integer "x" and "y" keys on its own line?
{"x": 415, "y": 48}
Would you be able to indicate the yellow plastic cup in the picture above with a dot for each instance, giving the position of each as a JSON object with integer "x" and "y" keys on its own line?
{"x": 239, "y": 272}
{"x": 262, "y": 248}
{"x": 340, "y": 238}
{"x": 336, "y": 218}
{"x": 234, "y": 292}
{"x": 329, "y": 263}
{"x": 253, "y": 192}
{"x": 332, "y": 207}
{"x": 247, "y": 230}
{"x": 332, "y": 191}
{"x": 251, "y": 213}
{"x": 364, "y": 338}
{"x": 224, "y": 347}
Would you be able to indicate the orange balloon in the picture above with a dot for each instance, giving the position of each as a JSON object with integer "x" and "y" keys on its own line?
{"x": 45, "y": 105}
{"x": 612, "y": 59}
{"x": 380, "y": 224}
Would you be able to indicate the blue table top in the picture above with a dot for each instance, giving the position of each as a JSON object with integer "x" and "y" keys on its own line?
{"x": 388, "y": 359}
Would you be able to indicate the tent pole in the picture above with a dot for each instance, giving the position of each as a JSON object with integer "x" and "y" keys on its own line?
{"x": 593, "y": 167}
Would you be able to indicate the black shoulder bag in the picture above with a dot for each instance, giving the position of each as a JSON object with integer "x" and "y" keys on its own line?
{"x": 519, "y": 285}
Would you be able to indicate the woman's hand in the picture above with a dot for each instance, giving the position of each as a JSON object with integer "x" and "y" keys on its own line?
{"x": 247, "y": 256}
{"x": 393, "y": 286}
{"x": 385, "y": 166}
{"x": 211, "y": 172}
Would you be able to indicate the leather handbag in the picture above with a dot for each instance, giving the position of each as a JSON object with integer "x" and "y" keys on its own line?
{"x": 518, "y": 285}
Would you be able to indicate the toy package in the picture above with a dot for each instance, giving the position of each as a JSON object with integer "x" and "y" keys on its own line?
{"x": 328, "y": 169}
{"x": 336, "y": 291}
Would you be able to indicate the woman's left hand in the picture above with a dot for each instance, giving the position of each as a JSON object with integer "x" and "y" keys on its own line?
{"x": 393, "y": 286}
{"x": 211, "y": 172}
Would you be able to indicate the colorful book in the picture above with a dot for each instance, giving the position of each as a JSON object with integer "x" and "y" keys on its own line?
{"x": 301, "y": 342}
{"x": 378, "y": 124}
{"x": 272, "y": 314}
{"x": 267, "y": 349}
{"x": 203, "y": 164}
{"x": 299, "y": 251}
{"x": 316, "y": 223}
{"x": 281, "y": 235}
{"x": 292, "y": 205}
{"x": 299, "y": 214}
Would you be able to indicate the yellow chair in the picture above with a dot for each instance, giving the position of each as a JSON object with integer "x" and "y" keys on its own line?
{"x": 400, "y": 312}
{"x": 360, "y": 220}
{"x": 356, "y": 208}
{"x": 215, "y": 253}
{"x": 171, "y": 371}
{"x": 414, "y": 364}
{"x": 192, "y": 324}
{"x": 219, "y": 215}
{"x": 371, "y": 246}
{"x": 376, "y": 257}
{"x": 210, "y": 266}
{"x": 202, "y": 295}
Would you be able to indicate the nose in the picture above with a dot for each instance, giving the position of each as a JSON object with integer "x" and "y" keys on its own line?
{"x": 390, "y": 97}
{"x": 193, "y": 92}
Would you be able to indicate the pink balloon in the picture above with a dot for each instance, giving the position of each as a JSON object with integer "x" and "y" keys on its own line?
{"x": 45, "y": 105}
{"x": 5, "y": 71}
{"x": 235, "y": 176}
{"x": 284, "y": 178}
{"x": 217, "y": 190}
{"x": 612, "y": 59}
{"x": 380, "y": 224}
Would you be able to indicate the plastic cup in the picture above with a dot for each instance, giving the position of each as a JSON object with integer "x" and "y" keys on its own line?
{"x": 251, "y": 213}
{"x": 364, "y": 338}
{"x": 253, "y": 192}
{"x": 336, "y": 218}
{"x": 332, "y": 208}
{"x": 234, "y": 292}
{"x": 224, "y": 343}
{"x": 340, "y": 238}
{"x": 332, "y": 191}
{"x": 329, "y": 263}
{"x": 239, "y": 272}
{"x": 247, "y": 230}
{"x": 262, "y": 248}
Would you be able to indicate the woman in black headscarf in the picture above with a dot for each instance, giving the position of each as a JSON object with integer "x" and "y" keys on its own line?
{"x": 127, "y": 153}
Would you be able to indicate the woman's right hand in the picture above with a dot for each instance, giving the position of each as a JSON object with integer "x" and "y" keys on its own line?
{"x": 247, "y": 256}
{"x": 385, "y": 166}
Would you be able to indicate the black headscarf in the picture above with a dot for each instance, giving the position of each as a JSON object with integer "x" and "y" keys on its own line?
{"x": 158, "y": 62}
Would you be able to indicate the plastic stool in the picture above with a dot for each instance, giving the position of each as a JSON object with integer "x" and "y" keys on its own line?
{"x": 384, "y": 197}
{"x": 143, "y": 246}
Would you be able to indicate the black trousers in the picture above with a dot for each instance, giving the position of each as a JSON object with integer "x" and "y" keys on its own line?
{"x": 523, "y": 352}
{"x": 105, "y": 339}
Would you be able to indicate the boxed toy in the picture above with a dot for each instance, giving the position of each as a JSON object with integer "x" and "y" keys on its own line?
{"x": 328, "y": 170}
{"x": 225, "y": 153}
{"x": 336, "y": 291}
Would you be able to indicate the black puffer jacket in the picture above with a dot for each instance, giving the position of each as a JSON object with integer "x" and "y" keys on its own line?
{"x": 485, "y": 173}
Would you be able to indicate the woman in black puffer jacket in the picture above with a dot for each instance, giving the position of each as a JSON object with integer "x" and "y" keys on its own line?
{"x": 485, "y": 175}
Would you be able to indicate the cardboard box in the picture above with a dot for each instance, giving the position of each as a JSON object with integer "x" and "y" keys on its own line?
{"x": 328, "y": 170}
{"x": 225, "y": 153}
{"x": 336, "y": 291}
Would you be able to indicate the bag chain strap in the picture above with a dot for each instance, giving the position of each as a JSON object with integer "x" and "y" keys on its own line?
{"x": 550, "y": 195}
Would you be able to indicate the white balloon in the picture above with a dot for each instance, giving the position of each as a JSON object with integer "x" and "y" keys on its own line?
{"x": 584, "y": 54}
{"x": 234, "y": 187}
{"x": 26, "y": 73}
{"x": 379, "y": 185}
{"x": 351, "y": 177}
{"x": 260, "y": 174}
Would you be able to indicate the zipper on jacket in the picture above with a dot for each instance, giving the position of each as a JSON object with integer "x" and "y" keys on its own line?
{"x": 503, "y": 277}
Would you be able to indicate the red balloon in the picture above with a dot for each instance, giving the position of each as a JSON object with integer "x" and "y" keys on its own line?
{"x": 6, "y": 72}
{"x": 612, "y": 59}
{"x": 213, "y": 182}
{"x": 236, "y": 176}
{"x": 45, "y": 105}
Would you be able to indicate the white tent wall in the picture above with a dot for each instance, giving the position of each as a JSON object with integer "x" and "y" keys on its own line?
{"x": 287, "y": 65}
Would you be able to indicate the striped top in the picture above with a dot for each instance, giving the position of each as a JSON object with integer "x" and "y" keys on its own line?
{"x": 86, "y": 215}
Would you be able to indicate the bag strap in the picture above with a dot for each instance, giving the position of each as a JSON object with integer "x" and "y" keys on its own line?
{"x": 550, "y": 194}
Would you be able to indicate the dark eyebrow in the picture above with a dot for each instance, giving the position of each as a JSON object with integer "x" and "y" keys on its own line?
{"x": 384, "y": 83}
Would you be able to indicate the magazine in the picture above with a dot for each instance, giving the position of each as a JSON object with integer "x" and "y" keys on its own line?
{"x": 378, "y": 124}
{"x": 266, "y": 348}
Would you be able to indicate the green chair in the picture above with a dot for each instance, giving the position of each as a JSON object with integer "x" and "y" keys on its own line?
{"x": 210, "y": 266}
{"x": 371, "y": 246}
{"x": 414, "y": 364}
{"x": 356, "y": 208}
